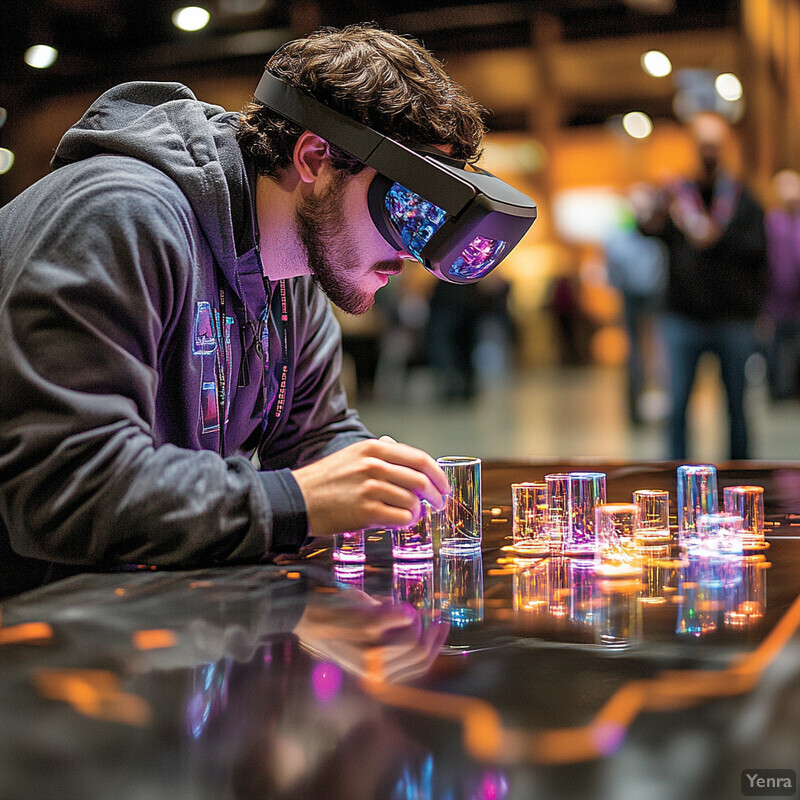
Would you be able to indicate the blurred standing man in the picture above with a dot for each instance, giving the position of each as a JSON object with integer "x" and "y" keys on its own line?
{"x": 162, "y": 319}
{"x": 714, "y": 231}
{"x": 782, "y": 306}
{"x": 637, "y": 268}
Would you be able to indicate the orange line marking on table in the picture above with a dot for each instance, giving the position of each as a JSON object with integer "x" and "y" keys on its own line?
{"x": 486, "y": 738}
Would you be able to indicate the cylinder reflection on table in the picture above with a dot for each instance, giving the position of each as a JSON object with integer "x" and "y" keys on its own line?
{"x": 558, "y": 579}
{"x": 694, "y": 600}
{"x": 461, "y": 586}
{"x": 658, "y": 568}
{"x": 581, "y": 578}
{"x": 531, "y": 586}
{"x": 753, "y": 596}
{"x": 412, "y": 583}
{"x": 350, "y": 574}
{"x": 710, "y": 591}
{"x": 618, "y": 615}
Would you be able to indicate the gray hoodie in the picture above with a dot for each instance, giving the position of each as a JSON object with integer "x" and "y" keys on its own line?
{"x": 116, "y": 271}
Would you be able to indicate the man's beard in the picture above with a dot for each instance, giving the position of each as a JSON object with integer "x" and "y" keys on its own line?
{"x": 321, "y": 229}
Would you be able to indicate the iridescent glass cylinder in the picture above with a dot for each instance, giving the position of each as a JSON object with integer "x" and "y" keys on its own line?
{"x": 349, "y": 546}
{"x": 747, "y": 502}
{"x": 460, "y": 520}
{"x": 529, "y": 518}
{"x": 587, "y": 490}
{"x": 697, "y": 495}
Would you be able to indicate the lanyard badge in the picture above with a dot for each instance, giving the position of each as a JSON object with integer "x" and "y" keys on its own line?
{"x": 272, "y": 344}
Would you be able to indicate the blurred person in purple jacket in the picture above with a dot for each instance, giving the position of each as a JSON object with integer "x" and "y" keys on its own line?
{"x": 782, "y": 305}
{"x": 713, "y": 228}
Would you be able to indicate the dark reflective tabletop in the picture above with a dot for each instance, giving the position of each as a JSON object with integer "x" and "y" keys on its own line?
{"x": 471, "y": 677}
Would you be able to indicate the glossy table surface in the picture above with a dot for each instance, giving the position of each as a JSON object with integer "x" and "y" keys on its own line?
{"x": 517, "y": 679}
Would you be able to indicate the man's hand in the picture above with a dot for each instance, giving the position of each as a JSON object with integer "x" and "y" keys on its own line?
{"x": 370, "y": 484}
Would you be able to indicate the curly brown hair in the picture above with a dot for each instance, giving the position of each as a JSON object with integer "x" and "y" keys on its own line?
{"x": 379, "y": 78}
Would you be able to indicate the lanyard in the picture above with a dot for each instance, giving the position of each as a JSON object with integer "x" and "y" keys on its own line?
{"x": 272, "y": 334}
{"x": 221, "y": 365}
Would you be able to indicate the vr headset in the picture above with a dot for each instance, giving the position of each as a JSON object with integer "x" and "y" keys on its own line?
{"x": 458, "y": 223}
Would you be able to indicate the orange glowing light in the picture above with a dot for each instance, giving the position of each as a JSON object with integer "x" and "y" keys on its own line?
{"x": 93, "y": 693}
{"x": 483, "y": 730}
{"x": 26, "y": 632}
{"x": 156, "y": 639}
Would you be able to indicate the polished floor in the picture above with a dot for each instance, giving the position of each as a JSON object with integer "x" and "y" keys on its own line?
{"x": 574, "y": 413}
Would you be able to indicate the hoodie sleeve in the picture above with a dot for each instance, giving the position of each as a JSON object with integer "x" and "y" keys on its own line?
{"x": 94, "y": 276}
{"x": 319, "y": 421}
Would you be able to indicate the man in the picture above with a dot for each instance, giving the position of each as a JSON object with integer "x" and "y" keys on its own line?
{"x": 161, "y": 322}
{"x": 714, "y": 231}
{"x": 637, "y": 268}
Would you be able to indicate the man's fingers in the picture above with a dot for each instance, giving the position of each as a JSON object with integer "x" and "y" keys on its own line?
{"x": 409, "y": 480}
{"x": 406, "y": 456}
{"x": 391, "y": 493}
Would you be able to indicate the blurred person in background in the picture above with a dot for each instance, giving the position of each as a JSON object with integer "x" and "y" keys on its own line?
{"x": 572, "y": 327}
{"x": 496, "y": 336}
{"x": 714, "y": 231}
{"x": 782, "y": 305}
{"x": 405, "y": 304}
{"x": 636, "y": 265}
{"x": 451, "y": 336}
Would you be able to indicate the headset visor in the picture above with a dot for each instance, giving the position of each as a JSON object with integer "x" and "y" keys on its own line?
{"x": 458, "y": 223}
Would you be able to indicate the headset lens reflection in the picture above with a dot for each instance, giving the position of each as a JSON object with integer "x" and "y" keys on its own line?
{"x": 477, "y": 258}
{"x": 416, "y": 220}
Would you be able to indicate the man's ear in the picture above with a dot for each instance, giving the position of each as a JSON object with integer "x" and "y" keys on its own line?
{"x": 310, "y": 156}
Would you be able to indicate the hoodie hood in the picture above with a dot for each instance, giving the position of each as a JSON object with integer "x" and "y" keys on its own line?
{"x": 164, "y": 125}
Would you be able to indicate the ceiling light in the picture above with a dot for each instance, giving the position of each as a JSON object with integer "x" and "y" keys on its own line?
{"x": 40, "y": 56}
{"x": 190, "y": 18}
{"x": 728, "y": 86}
{"x": 637, "y": 124}
{"x": 6, "y": 160}
{"x": 656, "y": 63}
